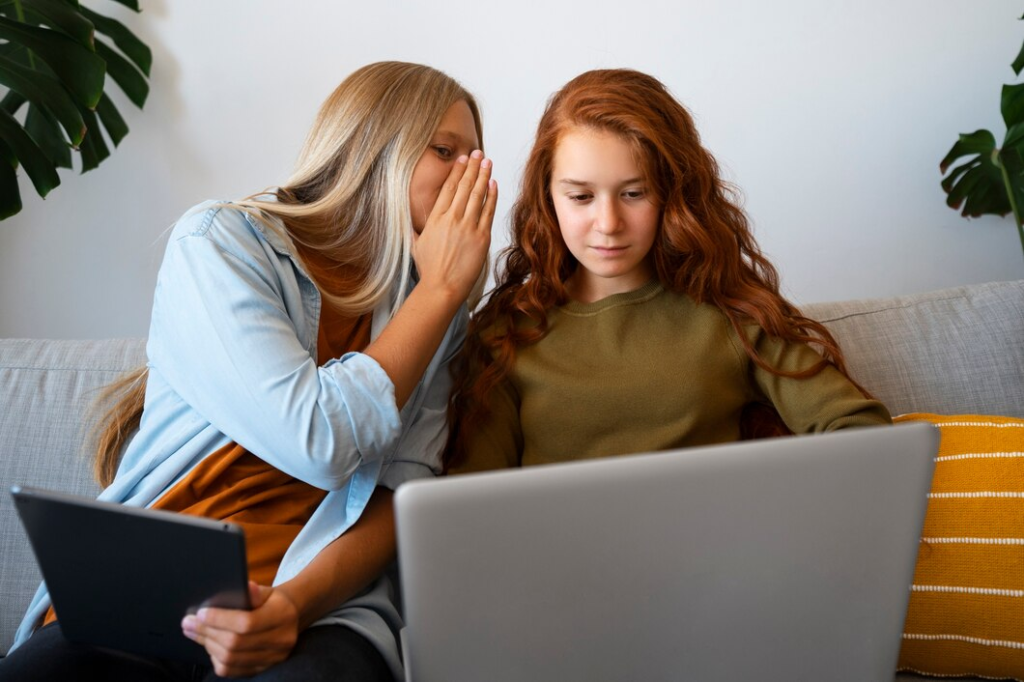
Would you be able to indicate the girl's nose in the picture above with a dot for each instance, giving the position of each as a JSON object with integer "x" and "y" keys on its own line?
{"x": 608, "y": 219}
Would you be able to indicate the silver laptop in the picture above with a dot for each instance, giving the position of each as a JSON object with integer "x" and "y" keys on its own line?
{"x": 777, "y": 560}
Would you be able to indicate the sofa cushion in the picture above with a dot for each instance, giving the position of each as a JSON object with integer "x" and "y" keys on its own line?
{"x": 954, "y": 351}
{"x": 48, "y": 387}
{"x": 966, "y": 612}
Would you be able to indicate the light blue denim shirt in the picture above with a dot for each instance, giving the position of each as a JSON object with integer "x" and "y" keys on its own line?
{"x": 232, "y": 358}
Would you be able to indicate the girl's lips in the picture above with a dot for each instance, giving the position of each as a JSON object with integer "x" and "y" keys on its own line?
{"x": 609, "y": 250}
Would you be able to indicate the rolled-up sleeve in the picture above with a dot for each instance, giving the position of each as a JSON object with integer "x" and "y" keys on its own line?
{"x": 224, "y": 338}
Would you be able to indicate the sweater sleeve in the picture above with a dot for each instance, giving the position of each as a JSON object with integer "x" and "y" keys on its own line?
{"x": 497, "y": 442}
{"x": 826, "y": 401}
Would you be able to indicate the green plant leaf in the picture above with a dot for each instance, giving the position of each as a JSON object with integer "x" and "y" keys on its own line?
{"x": 37, "y": 165}
{"x": 1012, "y": 104}
{"x": 976, "y": 186}
{"x": 80, "y": 69}
{"x": 14, "y": 51}
{"x": 965, "y": 185}
{"x": 1014, "y": 135}
{"x": 1013, "y": 165}
{"x": 41, "y": 125}
{"x": 978, "y": 142}
{"x": 44, "y": 91}
{"x": 124, "y": 74}
{"x": 12, "y": 101}
{"x": 51, "y": 58}
{"x": 1018, "y": 63}
{"x": 954, "y": 175}
{"x": 111, "y": 119}
{"x": 7, "y": 154}
{"x": 123, "y": 38}
{"x": 980, "y": 191}
{"x": 1012, "y": 161}
{"x": 132, "y": 4}
{"x": 988, "y": 195}
{"x": 10, "y": 197}
{"x": 94, "y": 150}
{"x": 1011, "y": 157}
{"x": 59, "y": 15}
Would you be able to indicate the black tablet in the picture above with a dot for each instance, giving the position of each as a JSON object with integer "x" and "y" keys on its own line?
{"x": 124, "y": 577}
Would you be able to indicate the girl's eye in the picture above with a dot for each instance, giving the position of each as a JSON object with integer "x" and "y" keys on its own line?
{"x": 579, "y": 198}
{"x": 444, "y": 152}
{"x": 633, "y": 194}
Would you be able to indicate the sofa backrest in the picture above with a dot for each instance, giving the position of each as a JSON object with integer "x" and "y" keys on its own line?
{"x": 954, "y": 351}
{"x": 46, "y": 391}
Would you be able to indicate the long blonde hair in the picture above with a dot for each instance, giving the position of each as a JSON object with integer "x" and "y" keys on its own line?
{"x": 348, "y": 200}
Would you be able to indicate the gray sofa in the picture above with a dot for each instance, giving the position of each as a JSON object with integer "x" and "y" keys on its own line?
{"x": 953, "y": 351}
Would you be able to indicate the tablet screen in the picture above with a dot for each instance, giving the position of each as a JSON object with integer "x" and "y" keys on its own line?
{"x": 124, "y": 577}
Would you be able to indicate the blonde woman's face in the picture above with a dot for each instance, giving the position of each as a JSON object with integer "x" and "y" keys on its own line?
{"x": 454, "y": 137}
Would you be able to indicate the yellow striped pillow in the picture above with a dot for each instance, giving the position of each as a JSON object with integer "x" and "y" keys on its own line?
{"x": 966, "y": 613}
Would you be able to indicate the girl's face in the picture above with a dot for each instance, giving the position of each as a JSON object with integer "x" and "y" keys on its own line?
{"x": 455, "y": 136}
{"x": 605, "y": 215}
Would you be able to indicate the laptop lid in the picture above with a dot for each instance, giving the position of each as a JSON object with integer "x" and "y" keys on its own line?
{"x": 124, "y": 577}
{"x": 781, "y": 559}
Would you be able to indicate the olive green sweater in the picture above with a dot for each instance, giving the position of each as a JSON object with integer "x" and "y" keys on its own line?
{"x": 650, "y": 370}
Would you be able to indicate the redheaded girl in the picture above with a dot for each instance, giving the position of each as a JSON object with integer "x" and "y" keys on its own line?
{"x": 634, "y": 311}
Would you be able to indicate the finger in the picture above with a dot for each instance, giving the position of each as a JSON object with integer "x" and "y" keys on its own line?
{"x": 232, "y": 620}
{"x": 466, "y": 184}
{"x": 237, "y": 656}
{"x": 236, "y": 652}
{"x": 224, "y": 669}
{"x": 450, "y": 187}
{"x": 232, "y": 647}
{"x": 234, "y": 661}
{"x": 258, "y": 594}
{"x": 490, "y": 206}
{"x": 478, "y": 195}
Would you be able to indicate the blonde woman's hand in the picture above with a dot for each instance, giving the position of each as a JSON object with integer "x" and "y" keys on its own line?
{"x": 244, "y": 643}
{"x": 451, "y": 250}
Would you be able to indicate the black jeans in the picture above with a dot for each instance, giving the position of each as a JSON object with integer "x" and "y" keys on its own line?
{"x": 332, "y": 652}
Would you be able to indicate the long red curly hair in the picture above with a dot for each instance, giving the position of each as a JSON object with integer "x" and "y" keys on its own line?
{"x": 704, "y": 248}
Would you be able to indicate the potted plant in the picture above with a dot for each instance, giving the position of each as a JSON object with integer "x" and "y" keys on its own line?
{"x": 53, "y": 61}
{"x": 992, "y": 179}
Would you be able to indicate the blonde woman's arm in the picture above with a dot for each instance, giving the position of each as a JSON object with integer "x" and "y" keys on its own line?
{"x": 449, "y": 254}
{"x": 224, "y": 338}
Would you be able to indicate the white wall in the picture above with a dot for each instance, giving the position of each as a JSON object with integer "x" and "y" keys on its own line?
{"x": 831, "y": 116}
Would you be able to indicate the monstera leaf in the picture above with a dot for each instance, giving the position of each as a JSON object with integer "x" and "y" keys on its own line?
{"x": 52, "y": 61}
{"x": 991, "y": 180}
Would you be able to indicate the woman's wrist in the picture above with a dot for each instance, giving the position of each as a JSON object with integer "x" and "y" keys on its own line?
{"x": 444, "y": 295}
{"x": 303, "y": 601}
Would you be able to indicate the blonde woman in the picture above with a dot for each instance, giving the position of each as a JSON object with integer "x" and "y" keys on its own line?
{"x": 297, "y": 373}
